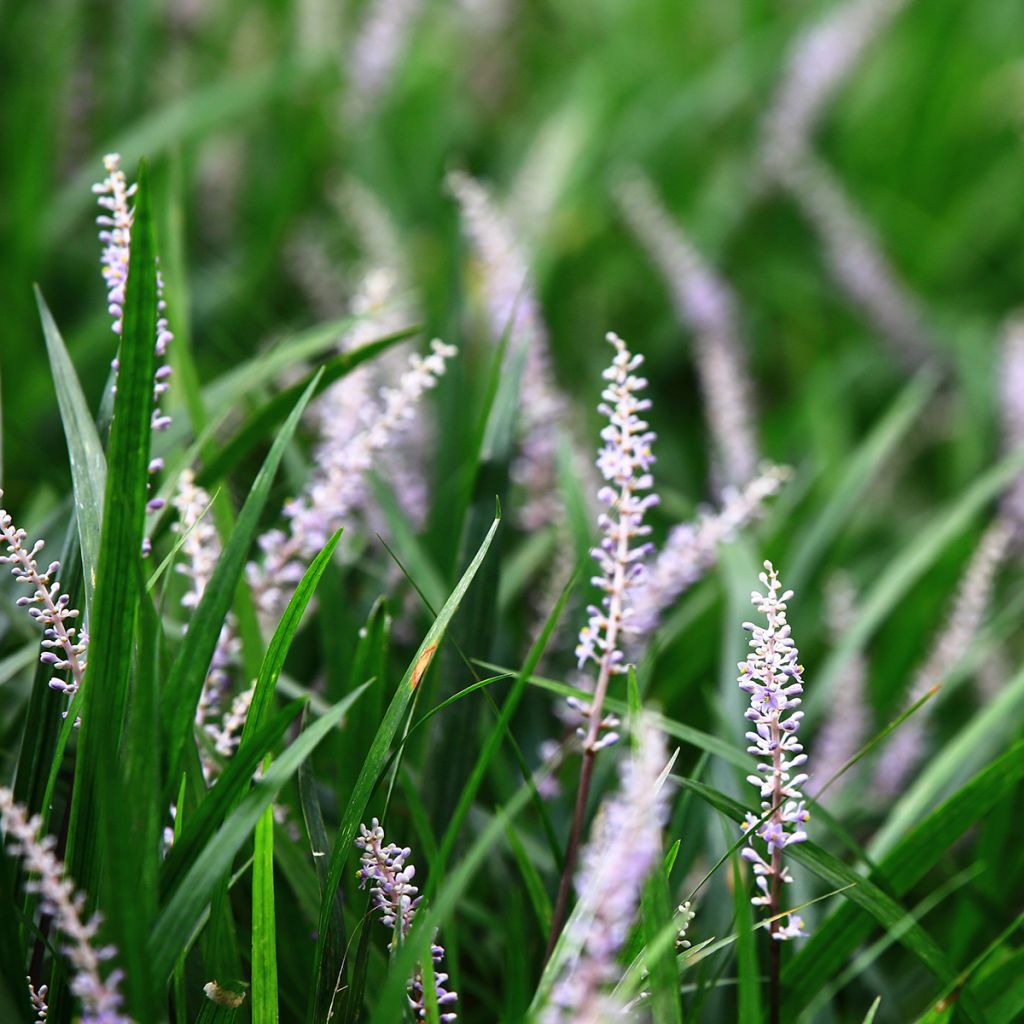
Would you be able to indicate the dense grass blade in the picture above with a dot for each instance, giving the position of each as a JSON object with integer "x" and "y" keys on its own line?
{"x": 834, "y": 940}
{"x": 325, "y": 974}
{"x": 264, "y": 937}
{"x": 106, "y": 760}
{"x": 85, "y": 450}
{"x": 185, "y": 680}
{"x": 175, "y": 926}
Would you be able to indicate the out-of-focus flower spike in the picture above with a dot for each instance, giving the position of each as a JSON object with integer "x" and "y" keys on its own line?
{"x": 773, "y": 678}
{"x": 857, "y": 262}
{"x": 387, "y": 871}
{"x": 1011, "y": 407}
{"x": 513, "y": 309}
{"x": 201, "y": 550}
{"x": 691, "y": 549}
{"x": 706, "y": 306}
{"x": 820, "y": 60}
{"x": 48, "y": 606}
{"x": 846, "y": 728}
{"x": 624, "y": 848}
{"x": 376, "y": 51}
{"x": 338, "y": 486}
{"x": 906, "y": 746}
{"x": 100, "y": 997}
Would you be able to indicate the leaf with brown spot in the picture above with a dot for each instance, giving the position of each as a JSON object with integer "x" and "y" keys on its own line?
{"x": 422, "y": 664}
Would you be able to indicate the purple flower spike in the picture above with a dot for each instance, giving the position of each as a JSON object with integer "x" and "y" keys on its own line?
{"x": 774, "y": 679}
{"x": 386, "y": 870}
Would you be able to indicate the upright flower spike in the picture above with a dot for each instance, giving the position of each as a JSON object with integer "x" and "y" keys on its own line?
{"x": 386, "y": 870}
{"x": 691, "y": 548}
{"x": 377, "y": 49}
{"x": 773, "y": 678}
{"x": 705, "y": 306}
{"x": 64, "y": 644}
{"x": 113, "y": 196}
{"x": 906, "y": 746}
{"x": 625, "y": 461}
{"x": 624, "y": 848}
{"x": 338, "y": 485}
{"x": 100, "y": 997}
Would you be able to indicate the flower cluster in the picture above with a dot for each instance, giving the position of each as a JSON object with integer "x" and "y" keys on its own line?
{"x": 338, "y": 485}
{"x": 100, "y": 998}
{"x": 113, "y": 196}
{"x": 376, "y": 52}
{"x": 624, "y": 462}
{"x": 705, "y": 305}
{"x": 624, "y": 847}
{"x": 38, "y": 997}
{"x": 386, "y": 870}
{"x": 513, "y": 310}
{"x": 48, "y": 606}
{"x": 906, "y": 745}
{"x": 773, "y": 678}
{"x": 691, "y": 549}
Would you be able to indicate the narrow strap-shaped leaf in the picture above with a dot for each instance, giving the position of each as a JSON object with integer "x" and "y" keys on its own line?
{"x": 100, "y": 787}
{"x": 264, "y": 938}
{"x": 325, "y": 974}
{"x": 179, "y": 918}
{"x": 85, "y": 450}
{"x": 840, "y": 934}
{"x": 281, "y": 642}
{"x": 185, "y": 680}
{"x": 204, "y": 819}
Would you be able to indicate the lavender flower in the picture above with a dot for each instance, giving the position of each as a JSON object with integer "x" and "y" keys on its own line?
{"x": 856, "y": 260}
{"x": 774, "y": 679}
{"x": 1011, "y": 407}
{"x": 624, "y": 848}
{"x": 624, "y": 462}
{"x": 820, "y": 61}
{"x": 100, "y": 998}
{"x": 38, "y": 997}
{"x": 692, "y": 548}
{"x": 48, "y": 606}
{"x": 512, "y": 308}
{"x": 338, "y": 485}
{"x": 386, "y": 870}
{"x": 847, "y": 726}
{"x": 706, "y": 306}
{"x": 906, "y": 746}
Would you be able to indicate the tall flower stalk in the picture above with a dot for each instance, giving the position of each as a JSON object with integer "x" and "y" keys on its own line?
{"x": 1011, "y": 408}
{"x": 773, "y": 678}
{"x": 64, "y": 644}
{"x": 385, "y": 868}
{"x": 624, "y": 848}
{"x": 100, "y": 997}
{"x": 624, "y": 462}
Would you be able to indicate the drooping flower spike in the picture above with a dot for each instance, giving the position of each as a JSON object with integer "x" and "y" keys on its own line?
{"x": 64, "y": 643}
{"x": 773, "y": 678}
{"x": 387, "y": 871}
{"x": 100, "y": 997}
